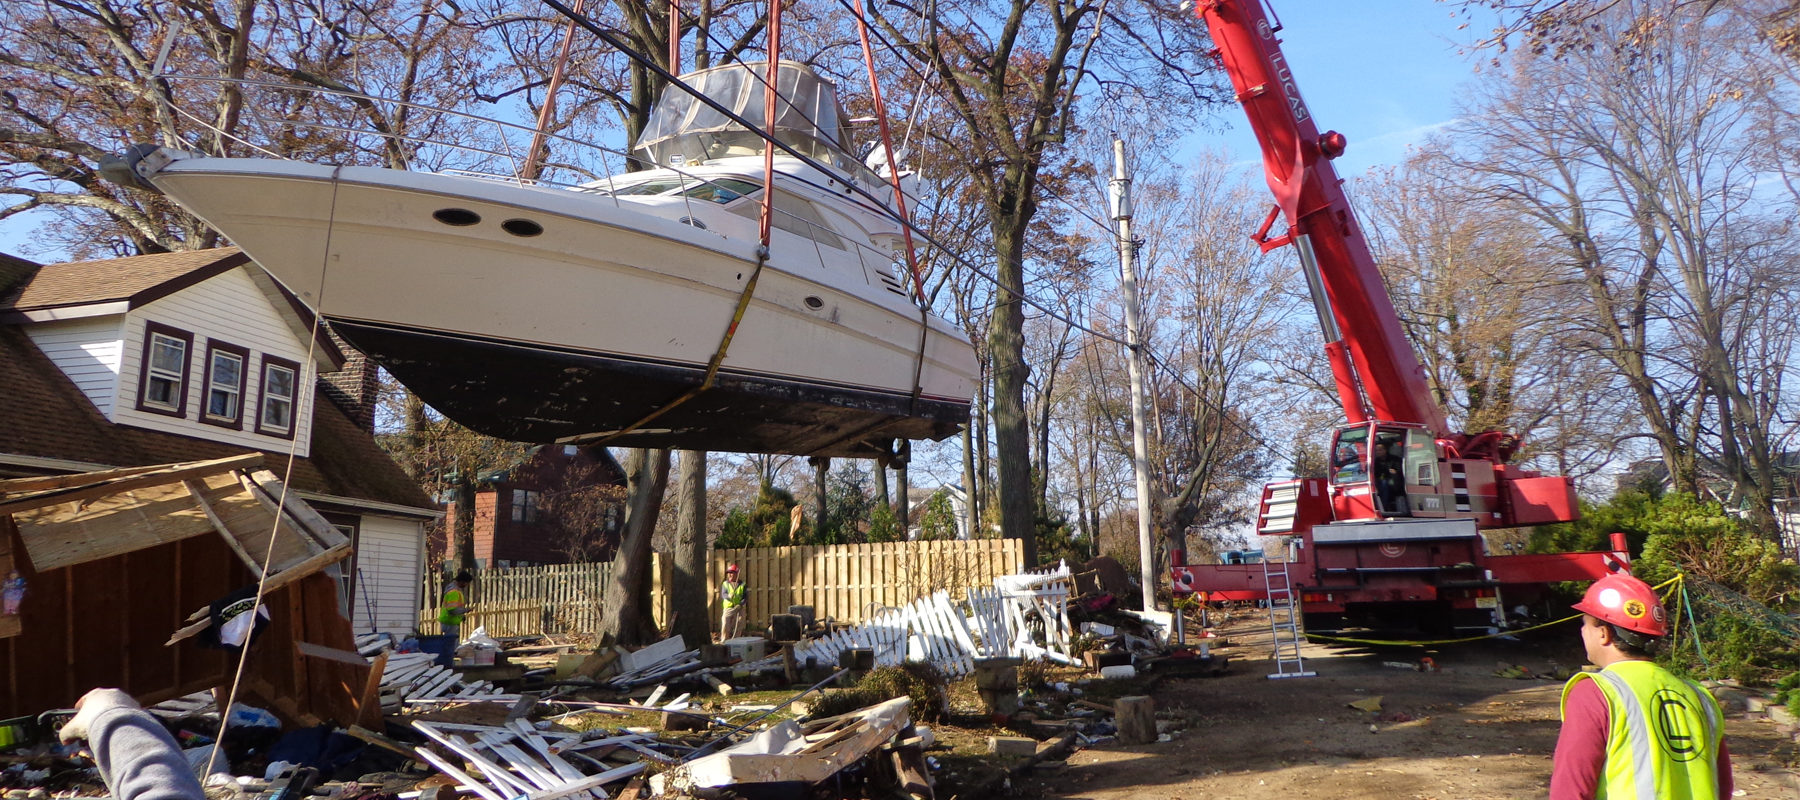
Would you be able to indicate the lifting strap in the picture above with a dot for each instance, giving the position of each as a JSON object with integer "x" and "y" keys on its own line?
{"x": 770, "y": 86}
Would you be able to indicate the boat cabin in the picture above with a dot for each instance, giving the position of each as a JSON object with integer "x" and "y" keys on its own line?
{"x": 684, "y": 130}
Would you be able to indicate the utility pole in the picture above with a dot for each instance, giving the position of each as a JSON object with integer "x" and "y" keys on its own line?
{"x": 1119, "y": 192}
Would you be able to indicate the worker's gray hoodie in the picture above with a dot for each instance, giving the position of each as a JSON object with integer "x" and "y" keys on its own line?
{"x": 139, "y": 759}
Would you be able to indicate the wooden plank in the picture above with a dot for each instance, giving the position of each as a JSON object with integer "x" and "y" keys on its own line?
{"x": 171, "y": 473}
{"x": 368, "y": 704}
{"x": 331, "y": 654}
{"x": 325, "y": 533}
{"x": 198, "y": 493}
{"x": 253, "y": 523}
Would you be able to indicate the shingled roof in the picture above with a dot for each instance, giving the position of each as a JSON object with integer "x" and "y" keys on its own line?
{"x": 136, "y": 280}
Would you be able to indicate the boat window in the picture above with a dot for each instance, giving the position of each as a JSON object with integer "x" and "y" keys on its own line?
{"x": 650, "y": 187}
{"x": 797, "y": 216}
{"x": 723, "y": 190}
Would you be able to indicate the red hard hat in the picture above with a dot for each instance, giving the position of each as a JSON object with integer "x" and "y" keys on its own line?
{"x": 731, "y": 568}
{"x": 1626, "y": 602}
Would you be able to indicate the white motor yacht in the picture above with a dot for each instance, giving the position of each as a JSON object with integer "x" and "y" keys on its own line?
{"x": 545, "y": 313}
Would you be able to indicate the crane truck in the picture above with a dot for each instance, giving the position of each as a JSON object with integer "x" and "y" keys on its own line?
{"x": 1392, "y": 536}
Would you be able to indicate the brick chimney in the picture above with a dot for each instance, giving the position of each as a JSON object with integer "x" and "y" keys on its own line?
{"x": 357, "y": 387}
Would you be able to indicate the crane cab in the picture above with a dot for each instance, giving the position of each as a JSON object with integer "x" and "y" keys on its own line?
{"x": 1394, "y": 470}
{"x": 1387, "y": 470}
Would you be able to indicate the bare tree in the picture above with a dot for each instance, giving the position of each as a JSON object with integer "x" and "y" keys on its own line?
{"x": 1012, "y": 73}
{"x": 689, "y": 601}
{"x": 1635, "y": 160}
{"x": 625, "y": 616}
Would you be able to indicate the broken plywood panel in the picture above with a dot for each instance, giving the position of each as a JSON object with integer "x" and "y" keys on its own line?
{"x": 80, "y": 531}
{"x": 788, "y": 752}
{"x": 251, "y": 523}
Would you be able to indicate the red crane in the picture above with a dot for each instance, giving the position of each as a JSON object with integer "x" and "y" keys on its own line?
{"x": 1391, "y": 536}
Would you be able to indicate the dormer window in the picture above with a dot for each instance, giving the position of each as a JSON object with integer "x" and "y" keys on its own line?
{"x": 280, "y": 384}
{"x": 162, "y": 382}
{"x": 226, "y": 368}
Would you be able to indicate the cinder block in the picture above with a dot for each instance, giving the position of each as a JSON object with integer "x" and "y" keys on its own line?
{"x": 1012, "y": 746}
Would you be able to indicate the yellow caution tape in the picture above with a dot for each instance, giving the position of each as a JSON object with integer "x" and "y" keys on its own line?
{"x": 1416, "y": 643}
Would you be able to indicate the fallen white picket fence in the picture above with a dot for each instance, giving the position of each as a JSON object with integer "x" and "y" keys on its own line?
{"x": 933, "y": 629}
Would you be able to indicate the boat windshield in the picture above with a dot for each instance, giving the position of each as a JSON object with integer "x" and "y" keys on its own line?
{"x": 808, "y": 119}
{"x": 717, "y": 190}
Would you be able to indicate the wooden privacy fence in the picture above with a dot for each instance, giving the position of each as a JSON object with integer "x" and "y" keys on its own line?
{"x": 849, "y": 582}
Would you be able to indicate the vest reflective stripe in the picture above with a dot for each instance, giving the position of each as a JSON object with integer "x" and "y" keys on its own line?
{"x": 1651, "y": 750}
{"x": 1637, "y": 736}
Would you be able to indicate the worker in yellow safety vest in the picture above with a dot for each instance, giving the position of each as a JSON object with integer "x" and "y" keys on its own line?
{"x": 455, "y": 605}
{"x": 731, "y": 621}
{"x": 1633, "y": 730}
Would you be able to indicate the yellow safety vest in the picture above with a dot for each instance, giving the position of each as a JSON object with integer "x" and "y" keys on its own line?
{"x": 448, "y": 615}
{"x": 734, "y": 595}
{"x": 1665, "y": 736}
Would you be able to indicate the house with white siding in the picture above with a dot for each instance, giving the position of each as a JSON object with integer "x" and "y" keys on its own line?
{"x": 196, "y": 355}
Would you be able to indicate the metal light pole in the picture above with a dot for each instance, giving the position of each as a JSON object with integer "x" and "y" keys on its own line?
{"x": 1119, "y": 192}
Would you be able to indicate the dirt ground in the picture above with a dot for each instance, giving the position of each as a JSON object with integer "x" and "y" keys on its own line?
{"x": 1460, "y": 732}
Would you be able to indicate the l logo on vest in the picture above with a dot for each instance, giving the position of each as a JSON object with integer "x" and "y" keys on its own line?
{"x": 1673, "y": 731}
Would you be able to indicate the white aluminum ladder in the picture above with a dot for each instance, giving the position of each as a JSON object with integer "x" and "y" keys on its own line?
{"x": 1284, "y": 622}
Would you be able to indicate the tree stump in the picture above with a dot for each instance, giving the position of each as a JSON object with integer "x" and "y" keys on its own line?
{"x": 1136, "y": 718}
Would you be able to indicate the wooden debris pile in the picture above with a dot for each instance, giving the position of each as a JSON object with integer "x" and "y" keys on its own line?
{"x": 879, "y": 742}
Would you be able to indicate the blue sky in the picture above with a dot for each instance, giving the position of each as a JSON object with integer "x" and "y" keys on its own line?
{"x": 1385, "y": 73}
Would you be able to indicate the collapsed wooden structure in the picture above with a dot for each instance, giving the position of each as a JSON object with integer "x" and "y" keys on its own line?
{"x": 121, "y": 568}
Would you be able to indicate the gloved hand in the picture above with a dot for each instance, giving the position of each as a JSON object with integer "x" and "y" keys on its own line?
{"x": 90, "y": 707}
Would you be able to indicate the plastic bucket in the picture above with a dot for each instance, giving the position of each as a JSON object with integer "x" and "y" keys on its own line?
{"x": 444, "y": 647}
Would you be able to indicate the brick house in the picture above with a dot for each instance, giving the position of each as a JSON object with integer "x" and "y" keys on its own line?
{"x": 200, "y": 355}
{"x": 561, "y": 504}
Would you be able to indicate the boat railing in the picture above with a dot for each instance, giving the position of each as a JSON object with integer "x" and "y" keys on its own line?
{"x": 447, "y": 141}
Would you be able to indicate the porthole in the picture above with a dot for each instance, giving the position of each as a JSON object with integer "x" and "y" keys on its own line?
{"x": 814, "y": 303}
{"x": 521, "y": 227}
{"x": 459, "y": 217}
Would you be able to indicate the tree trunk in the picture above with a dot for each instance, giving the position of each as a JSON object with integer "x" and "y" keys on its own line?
{"x": 622, "y": 610}
{"x": 821, "y": 466}
{"x": 465, "y": 522}
{"x": 971, "y": 509}
{"x": 901, "y": 460}
{"x": 690, "y": 602}
{"x": 1006, "y": 346}
{"x": 881, "y": 484}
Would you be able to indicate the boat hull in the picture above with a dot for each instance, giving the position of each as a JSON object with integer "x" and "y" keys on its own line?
{"x": 543, "y": 395}
{"x": 601, "y": 318}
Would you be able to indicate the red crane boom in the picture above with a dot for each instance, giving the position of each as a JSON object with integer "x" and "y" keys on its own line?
{"x": 1391, "y": 536}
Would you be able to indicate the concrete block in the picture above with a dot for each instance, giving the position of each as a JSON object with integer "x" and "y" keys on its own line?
{"x": 1779, "y": 714}
{"x": 1012, "y": 746}
{"x": 748, "y": 648}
